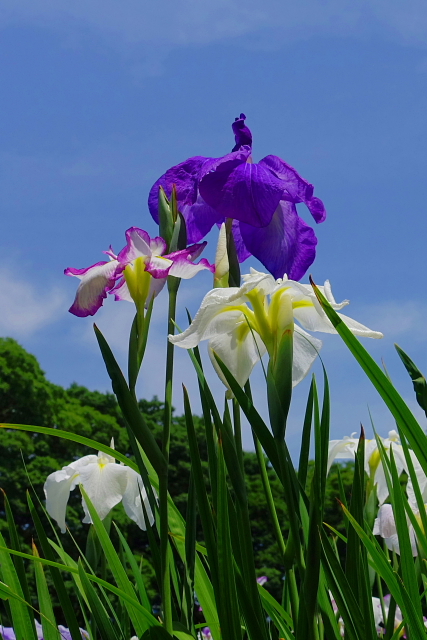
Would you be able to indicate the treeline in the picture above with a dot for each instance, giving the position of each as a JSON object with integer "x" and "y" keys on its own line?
{"x": 26, "y": 459}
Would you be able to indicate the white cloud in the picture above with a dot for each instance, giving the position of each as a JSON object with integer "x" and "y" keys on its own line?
{"x": 162, "y": 26}
{"x": 25, "y": 308}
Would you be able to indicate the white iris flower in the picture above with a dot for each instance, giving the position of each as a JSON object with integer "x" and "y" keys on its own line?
{"x": 106, "y": 484}
{"x": 242, "y": 324}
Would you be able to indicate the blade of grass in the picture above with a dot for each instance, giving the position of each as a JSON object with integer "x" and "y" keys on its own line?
{"x": 22, "y": 618}
{"x": 50, "y": 629}
{"x": 98, "y": 611}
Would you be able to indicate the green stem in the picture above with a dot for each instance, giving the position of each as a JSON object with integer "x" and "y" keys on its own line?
{"x": 238, "y": 431}
{"x": 269, "y": 497}
{"x": 173, "y": 284}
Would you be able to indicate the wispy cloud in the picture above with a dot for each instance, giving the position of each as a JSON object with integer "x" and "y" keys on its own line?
{"x": 25, "y": 309}
{"x": 173, "y": 23}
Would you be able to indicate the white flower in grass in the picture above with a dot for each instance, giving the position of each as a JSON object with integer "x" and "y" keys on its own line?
{"x": 346, "y": 448}
{"x": 106, "y": 484}
{"x": 242, "y": 324}
{"x": 385, "y": 526}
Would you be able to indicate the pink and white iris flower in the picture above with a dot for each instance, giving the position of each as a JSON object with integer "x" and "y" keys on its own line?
{"x": 137, "y": 273}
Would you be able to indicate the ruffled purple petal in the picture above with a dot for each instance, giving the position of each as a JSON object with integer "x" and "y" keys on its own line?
{"x": 158, "y": 266}
{"x": 96, "y": 281}
{"x": 286, "y": 245}
{"x": 199, "y": 219}
{"x": 185, "y": 177}
{"x": 242, "y": 190}
{"x": 242, "y": 133}
{"x": 298, "y": 189}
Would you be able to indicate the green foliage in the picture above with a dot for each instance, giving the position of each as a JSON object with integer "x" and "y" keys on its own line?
{"x": 26, "y": 396}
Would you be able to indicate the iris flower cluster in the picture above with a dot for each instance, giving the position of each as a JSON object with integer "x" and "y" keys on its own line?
{"x": 260, "y": 198}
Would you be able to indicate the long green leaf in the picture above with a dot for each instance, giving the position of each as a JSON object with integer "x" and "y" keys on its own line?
{"x": 63, "y": 596}
{"x": 98, "y": 611}
{"x": 129, "y": 406}
{"x": 230, "y": 620}
{"x": 141, "y": 623}
{"x": 418, "y": 380}
{"x": 22, "y": 617}
{"x": 50, "y": 630}
{"x": 393, "y": 581}
{"x": 400, "y": 411}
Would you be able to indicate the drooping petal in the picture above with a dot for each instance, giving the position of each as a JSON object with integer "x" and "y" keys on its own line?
{"x": 306, "y": 349}
{"x": 185, "y": 177}
{"x": 58, "y": 486}
{"x": 239, "y": 349}
{"x": 385, "y": 526}
{"x": 132, "y": 500}
{"x": 242, "y": 133}
{"x": 359, "y": 329}
{"x": 298, "y": 189}
{"x": 105, "y": 484}
{"x": 242, "y": 251}
{"x": 241, "y": 190}
{"x": 212, "y": 318}
{"x": 96, "y": 281}
{"x": 199, "y": 219}
{"x": 311, "y": 316}
{"x": 57, "y": 491}
{"x": 344, "y": 449}
{"x": 286, "y": 245}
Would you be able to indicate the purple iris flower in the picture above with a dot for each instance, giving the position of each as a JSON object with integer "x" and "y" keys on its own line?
{"x": 261, "y": 199}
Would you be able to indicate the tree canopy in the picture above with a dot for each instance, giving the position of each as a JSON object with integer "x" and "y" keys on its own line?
{"x": 27, "y": 397}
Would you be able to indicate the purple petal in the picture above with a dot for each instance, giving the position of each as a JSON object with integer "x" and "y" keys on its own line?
{"x": 242, "y": 133}
{"x": 199, "y": 219}
{"x": 185, "y": 177}
{"x": 192, "y": 252}
{"x": 242, "y": 252}
{"x": 96, "y": 281}
{"x": 241, "y": 190}
{"x": 286, "y": 245}
{"x": 317, "y": 209}
{"x": 299, "y": 190}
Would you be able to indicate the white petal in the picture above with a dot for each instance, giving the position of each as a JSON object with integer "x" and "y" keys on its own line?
{"x": 381, "y": 482}
{"x": 105, "y": 485}
{"x": 263, "y": 282}
{"x": 183, "y": 268}
{"x": 57, "y": 491}
{"x": 386, "y": 523}
{"x": 213, "y": 308}
{"x": 306, "y": 349}
{"x": 240, "y": 350}
{"x": 95, "y": 281}
{"x": 132, "y": 500}
{"x": 342, "y": 450}
{"x": 359, "y": 329}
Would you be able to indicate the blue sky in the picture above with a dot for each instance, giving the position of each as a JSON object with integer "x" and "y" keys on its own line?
{"x": 100, "y": 98}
